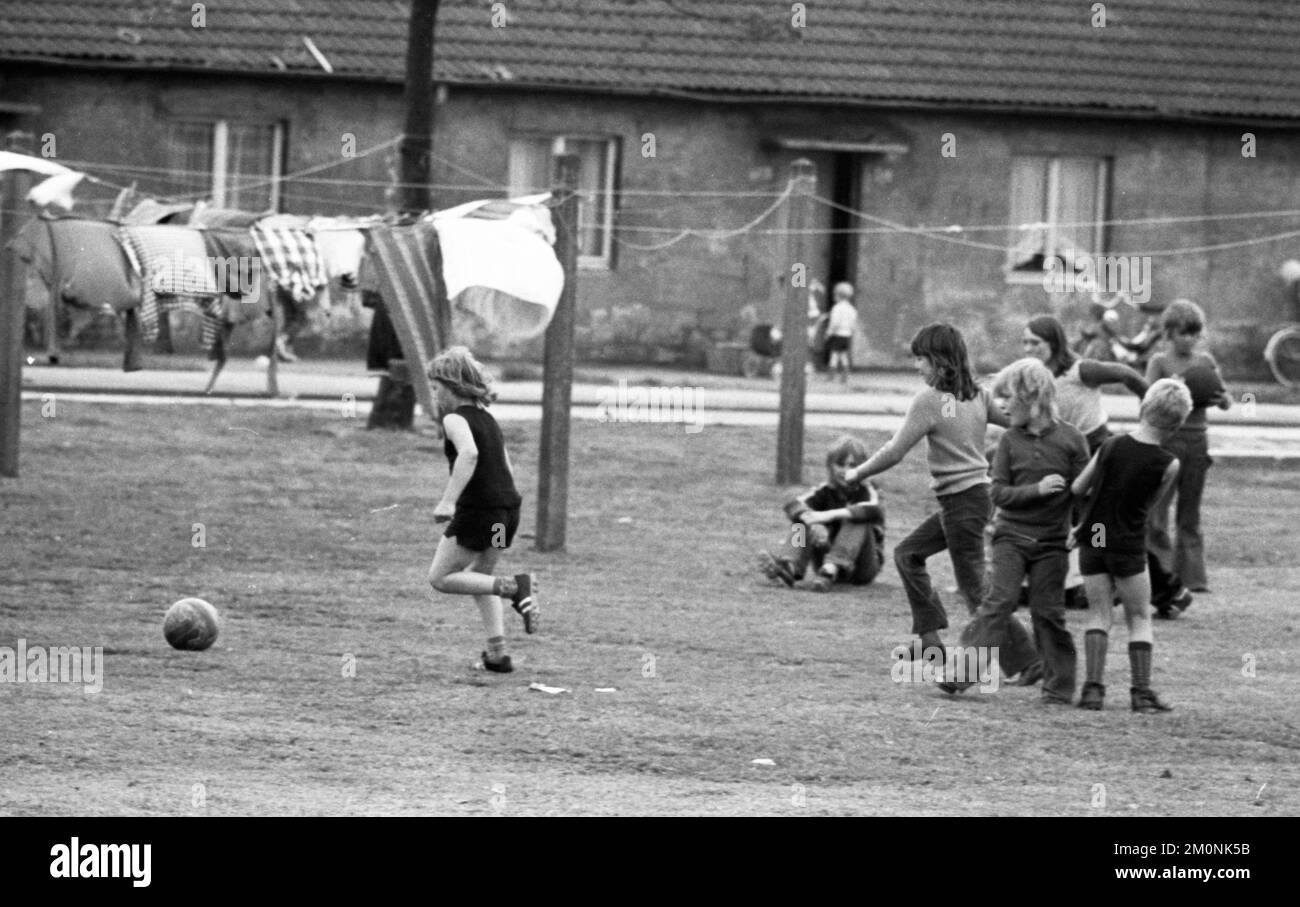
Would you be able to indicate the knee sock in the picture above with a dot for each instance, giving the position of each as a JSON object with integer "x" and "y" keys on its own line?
{"x": 1095, "y": 643}
{"x": 496, "y": 647}
{"x": 1139, "y": 659}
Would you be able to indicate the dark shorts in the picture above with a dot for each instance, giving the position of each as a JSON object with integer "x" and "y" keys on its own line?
{"x": 1118, "y": 564}
{"x": 838, "y": 344}
{"x": 481, "y": 529}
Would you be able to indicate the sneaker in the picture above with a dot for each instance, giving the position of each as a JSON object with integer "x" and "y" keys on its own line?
{"x": 502, "y": 666}
{"x": 1146, "y": 701}
{"x": 1094, "y": 694}
{"x": 1031, "y": 675}
{"x": 823, "y": 581}
{"x": 1050, "y": 699}
{"x": 953, "y": 688}
{"x": 776, "y": 569}
{"x": 1169, "y": 608}
{"x": 525, "y": 601}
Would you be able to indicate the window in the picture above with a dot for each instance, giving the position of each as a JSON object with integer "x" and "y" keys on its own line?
{"x": 236, "y": 164}
{"x": 531, "y": 171}
{"x": 1057, "y": 206}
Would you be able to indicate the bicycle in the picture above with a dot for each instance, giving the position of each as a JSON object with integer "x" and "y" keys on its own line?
{"x": 1282, "y": 353}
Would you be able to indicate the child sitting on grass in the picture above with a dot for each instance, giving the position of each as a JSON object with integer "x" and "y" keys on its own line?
{"x": 838, "y": 527}
{"x": 1126, "y": 477}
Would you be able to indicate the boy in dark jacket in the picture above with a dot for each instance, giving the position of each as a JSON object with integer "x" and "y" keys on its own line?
{"x": 838, "y": 527}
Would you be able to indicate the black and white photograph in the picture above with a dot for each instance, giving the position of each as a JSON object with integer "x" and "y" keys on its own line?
{"x": 623, "y": 408}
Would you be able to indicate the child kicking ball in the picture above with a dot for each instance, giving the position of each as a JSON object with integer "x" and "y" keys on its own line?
{"x": 480, "y": 504}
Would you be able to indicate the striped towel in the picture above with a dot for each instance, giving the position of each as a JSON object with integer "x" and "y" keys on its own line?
{"x": 291, "y": 258}
{"x": 405, "y": 264}
{"x": 165, "y": 286}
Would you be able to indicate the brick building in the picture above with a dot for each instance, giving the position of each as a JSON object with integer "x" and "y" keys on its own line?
{"x": 977, "y": 140}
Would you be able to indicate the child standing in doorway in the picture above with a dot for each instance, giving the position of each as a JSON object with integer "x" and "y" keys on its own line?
{"x": 839, "y": 333}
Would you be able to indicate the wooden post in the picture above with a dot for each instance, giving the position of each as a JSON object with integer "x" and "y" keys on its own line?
{"x": 417, "y": 130}
{"x": 272, "y": 351}
{"x": 794, "y": 344}
{"x": 13, "y": 304}
{"x": 557, "y": 374}
{"x": 394, "y": 406}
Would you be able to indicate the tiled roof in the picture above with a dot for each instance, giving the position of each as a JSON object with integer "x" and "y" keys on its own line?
{"x": 1234, "y": 58}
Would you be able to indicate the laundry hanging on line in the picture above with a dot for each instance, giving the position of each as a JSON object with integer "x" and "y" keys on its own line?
{"x": 486, "y": 270}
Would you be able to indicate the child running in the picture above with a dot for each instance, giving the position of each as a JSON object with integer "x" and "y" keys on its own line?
{"x": 1037, "y": 459}
{"x": 951, "y": 414}
{"x": 1122, "y": 482}
{"x": 480, "y": 504}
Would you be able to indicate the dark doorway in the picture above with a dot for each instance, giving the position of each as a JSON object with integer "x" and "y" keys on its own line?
{"x": 845, "y": 166}
{"x": 845, "y": 169}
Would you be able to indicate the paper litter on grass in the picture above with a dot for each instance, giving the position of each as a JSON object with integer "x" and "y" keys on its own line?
{"x": 761, "y": 762}
{"x": 543, "y": 688}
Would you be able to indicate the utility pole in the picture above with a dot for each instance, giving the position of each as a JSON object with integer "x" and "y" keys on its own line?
{"x": 394, "y": 406}
{"x": 557, "y": 370}
{"x": 794, "y": 344}
{"x": 13, "y": 285}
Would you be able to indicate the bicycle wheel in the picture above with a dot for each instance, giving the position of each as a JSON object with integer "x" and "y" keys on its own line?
{"x": 1283, "y": 356}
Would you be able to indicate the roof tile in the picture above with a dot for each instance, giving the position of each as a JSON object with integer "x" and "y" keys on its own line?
{"x": 1177, "y": 57}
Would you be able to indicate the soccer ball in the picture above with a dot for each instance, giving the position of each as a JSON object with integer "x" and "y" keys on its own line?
{"x": 191, "y": 624}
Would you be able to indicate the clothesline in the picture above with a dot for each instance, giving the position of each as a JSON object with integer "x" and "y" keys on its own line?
{"x": 143, "y": 269}
{"x": 458, "y": 187}
{"x": 630, "y": 192}
{"x": 952, "y": 234}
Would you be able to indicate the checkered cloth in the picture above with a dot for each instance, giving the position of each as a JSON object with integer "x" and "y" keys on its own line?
{"x": 291, "y": 258}
{"x": 168, "y": 286}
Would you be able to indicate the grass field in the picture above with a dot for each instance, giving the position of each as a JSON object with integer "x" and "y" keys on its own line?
{"x": 317, "y": 538}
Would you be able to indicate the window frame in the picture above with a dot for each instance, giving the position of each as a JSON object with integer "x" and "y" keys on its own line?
{"x": 219, "y": 178}
{"x": 1051, "y": 204}
{"x": 609, "y": 185}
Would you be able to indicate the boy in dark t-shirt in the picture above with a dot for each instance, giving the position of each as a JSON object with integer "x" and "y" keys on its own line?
{"x": 1121, "y": 483}
{"x": 838, "y": 527}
